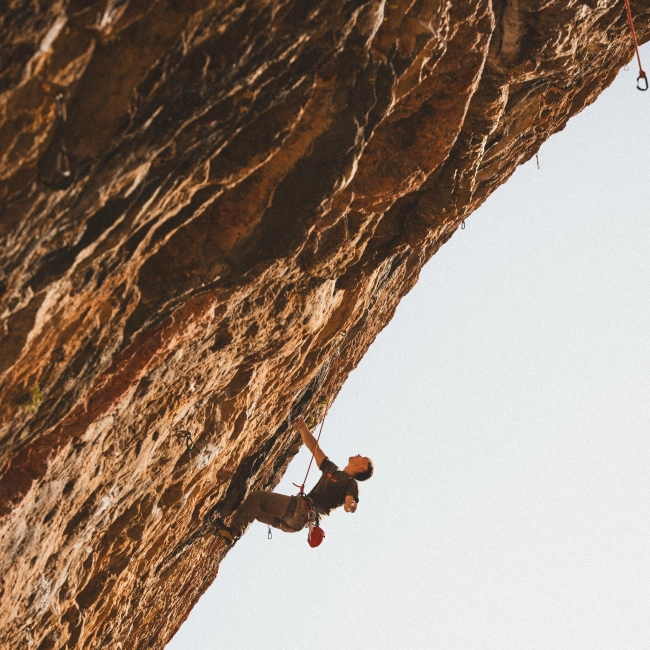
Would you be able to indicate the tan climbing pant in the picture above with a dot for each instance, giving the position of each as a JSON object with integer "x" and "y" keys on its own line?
{"x": 289, "y": 514}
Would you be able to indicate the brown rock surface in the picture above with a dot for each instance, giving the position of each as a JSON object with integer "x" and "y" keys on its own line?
{"x": 202, "y": 203}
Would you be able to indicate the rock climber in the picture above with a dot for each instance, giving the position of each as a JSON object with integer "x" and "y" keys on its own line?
{"x": 334, "y": 488}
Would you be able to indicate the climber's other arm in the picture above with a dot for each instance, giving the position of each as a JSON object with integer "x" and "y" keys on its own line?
{"x": 350, "y": 504}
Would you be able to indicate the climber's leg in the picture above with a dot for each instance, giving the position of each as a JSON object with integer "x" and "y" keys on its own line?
{"x": 295, "y": 518}
{"x": 267, "y": 507}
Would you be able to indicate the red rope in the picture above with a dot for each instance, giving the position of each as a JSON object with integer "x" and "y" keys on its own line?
{"x": 330, "y": 391}
{"x": 642, "y": 74}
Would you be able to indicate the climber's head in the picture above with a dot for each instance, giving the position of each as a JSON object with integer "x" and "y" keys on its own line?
{"x": 359, "y": 467}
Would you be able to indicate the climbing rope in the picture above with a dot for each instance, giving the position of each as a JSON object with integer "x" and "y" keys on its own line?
{"x": 330, "y": 392}
{"x": 642, "y": 75}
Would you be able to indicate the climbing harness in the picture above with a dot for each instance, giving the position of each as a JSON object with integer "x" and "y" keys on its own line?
{"x": 642, "y": 75}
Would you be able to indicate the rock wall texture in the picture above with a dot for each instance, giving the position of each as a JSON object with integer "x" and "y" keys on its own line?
{"x": 203, "y": 203}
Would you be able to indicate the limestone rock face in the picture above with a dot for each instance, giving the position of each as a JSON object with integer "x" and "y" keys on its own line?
{"x": 209, "y": 209}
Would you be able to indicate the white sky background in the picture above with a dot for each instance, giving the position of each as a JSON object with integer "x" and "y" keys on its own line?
{"x": 506, "y": 408}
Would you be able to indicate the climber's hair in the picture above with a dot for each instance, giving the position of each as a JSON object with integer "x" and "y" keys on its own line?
{"x": 365, "y": 475}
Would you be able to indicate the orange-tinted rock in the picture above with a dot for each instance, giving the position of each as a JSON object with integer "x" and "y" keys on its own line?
{"x": 202, "y": 203}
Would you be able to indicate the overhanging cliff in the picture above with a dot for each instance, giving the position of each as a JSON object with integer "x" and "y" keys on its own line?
{"x": 203, "y": 203}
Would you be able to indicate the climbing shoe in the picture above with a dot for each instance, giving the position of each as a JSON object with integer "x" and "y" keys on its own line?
{"x": 225, "y": 532}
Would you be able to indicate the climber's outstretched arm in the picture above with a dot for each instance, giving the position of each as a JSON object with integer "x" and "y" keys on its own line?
{"x": 310, "y": 442}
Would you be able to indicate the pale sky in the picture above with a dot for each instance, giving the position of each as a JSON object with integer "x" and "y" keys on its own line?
{"x": 506, "y": 408}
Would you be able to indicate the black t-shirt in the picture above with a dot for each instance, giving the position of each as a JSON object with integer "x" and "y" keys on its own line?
{"x": 332, "y": 488}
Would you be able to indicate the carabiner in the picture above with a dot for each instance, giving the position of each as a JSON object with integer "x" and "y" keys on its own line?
{"x": 63, "y": 111}
{"x": 63, "y": 162}
{"x": 642, "y": 75}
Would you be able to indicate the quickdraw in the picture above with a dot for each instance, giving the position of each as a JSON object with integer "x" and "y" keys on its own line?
{"x": 189, "y": 446}
{"x": 642, "y": 78}
{"x": 62, "y": 159}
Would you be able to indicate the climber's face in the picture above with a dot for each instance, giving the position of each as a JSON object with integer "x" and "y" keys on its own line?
{"x": 358, "y": 463}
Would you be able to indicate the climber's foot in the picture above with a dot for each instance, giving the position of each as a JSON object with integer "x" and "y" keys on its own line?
{"x": 226, "y": 533}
